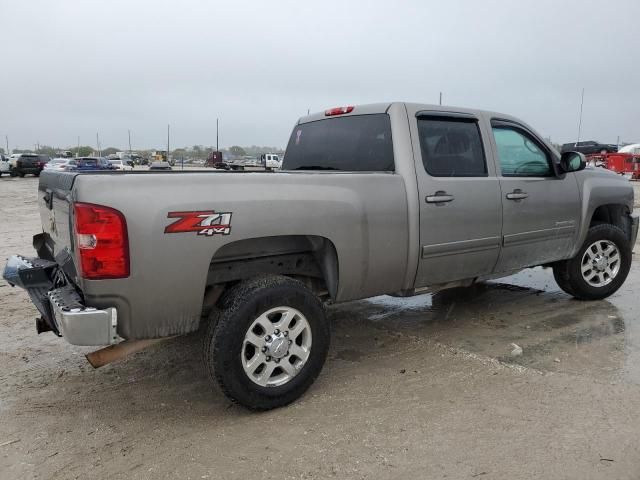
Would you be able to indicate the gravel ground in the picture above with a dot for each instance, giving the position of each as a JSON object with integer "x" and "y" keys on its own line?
{"x": 423, "y": 387}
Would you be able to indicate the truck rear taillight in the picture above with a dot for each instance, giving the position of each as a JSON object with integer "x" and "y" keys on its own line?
{"x": 102, "y": 242}
{"x": 338, "y": 111}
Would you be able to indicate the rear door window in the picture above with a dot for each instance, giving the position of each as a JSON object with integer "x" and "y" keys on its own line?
{"x": 451, "y": 147}
{"x": 360, "y": 143}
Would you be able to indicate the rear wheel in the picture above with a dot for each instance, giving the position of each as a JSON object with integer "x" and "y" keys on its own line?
{"x": 600, "y": 266}
{"x": 268, "y": 342}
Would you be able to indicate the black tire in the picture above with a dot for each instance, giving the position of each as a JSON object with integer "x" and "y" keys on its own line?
{"x": 21, "y": 174}
{"x": 568, "y": 273}
{"x": 224, "y": 338}
{"x": 13, "y": 173}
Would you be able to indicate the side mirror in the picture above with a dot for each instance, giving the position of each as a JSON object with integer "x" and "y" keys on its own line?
{"x": 572, "y": 162}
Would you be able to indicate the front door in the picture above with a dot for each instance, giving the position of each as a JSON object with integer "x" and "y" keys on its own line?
{"x": 541, "y": 210}
{"x": 460, "y": 211}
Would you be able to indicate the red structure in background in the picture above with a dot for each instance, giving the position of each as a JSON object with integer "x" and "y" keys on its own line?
{"x": 622, "y": 163}
{"x": 213, "y": 159}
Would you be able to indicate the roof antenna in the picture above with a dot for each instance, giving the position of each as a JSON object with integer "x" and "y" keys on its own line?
{"x": 580, "y": 120}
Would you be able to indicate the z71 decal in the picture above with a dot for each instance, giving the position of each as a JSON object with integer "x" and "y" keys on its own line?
{"x": 207, "y": 222}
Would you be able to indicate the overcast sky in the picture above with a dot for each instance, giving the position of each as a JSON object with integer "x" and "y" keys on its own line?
{"x": 74, "y": 68}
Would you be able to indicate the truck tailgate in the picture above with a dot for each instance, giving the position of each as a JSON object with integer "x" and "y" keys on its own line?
{"x": 54, "y": 203}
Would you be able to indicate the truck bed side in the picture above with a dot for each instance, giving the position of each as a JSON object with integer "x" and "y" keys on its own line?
{"x": 362, "y": 215}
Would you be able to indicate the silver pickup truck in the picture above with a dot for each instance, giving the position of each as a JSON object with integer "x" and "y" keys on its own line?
{"x": 394, "y": 198}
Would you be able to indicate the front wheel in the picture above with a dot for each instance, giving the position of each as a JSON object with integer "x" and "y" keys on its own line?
{"x": 268, "y": 342}
{"x": 599, "y": 268}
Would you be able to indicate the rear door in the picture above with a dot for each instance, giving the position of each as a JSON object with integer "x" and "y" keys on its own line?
{"x": 460, "y": 211}
{"x": 541, "y": 211}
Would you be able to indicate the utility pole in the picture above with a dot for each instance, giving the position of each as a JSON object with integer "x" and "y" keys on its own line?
{"x": 217, "y": 133}
{"x": 78, "y": 149}
{"x": 6, "y": 138}
{"x": 580, "y": 120}
{"x": 440, "y": 99}
{"x": 129, "y": 132}
{"x": 98, "y": 144}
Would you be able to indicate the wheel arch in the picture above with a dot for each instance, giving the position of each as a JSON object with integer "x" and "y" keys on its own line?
{"x": 310, "y": 258}
{"x": 614, "y": 214}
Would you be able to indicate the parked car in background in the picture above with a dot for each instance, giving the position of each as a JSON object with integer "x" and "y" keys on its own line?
{"x": 22, "y": 164}
{"x": 160, "y": 166}
{"x": 4, "y": 164}
{"x": 89, "y": 164}
{"x": 589, "y": 147}
{"x": 58, "y": 164}
{"x": 121, "y": 164}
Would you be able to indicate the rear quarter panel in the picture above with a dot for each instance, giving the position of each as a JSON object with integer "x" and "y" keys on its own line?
{"x": 364, "y": 215}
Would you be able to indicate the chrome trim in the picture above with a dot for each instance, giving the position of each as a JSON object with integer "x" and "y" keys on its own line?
{"x": 82, "y": 325}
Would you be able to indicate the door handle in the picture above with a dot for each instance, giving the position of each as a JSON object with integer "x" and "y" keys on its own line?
{"x": 517, "y": 194}
{"x": 439, "y": 197}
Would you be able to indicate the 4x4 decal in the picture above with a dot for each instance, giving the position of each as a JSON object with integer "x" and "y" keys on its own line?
{"x": 205, "y": 222}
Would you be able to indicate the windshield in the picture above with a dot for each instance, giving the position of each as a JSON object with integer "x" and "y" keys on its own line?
{"x": 355, "y": 143}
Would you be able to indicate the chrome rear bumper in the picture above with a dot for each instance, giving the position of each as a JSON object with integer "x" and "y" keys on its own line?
{"x": 81, "y": 325}
{"x": 63, "y": 310}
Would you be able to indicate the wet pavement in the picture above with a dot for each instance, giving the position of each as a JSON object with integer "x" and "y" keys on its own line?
{"x": 556, "y": 332}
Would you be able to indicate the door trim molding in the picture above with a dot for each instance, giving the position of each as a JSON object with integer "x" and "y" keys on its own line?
{"x": 539, "y": 235}
{"x": 462, "y": 246}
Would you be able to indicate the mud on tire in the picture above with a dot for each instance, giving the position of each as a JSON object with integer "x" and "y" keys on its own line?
{"x": 573, "y": 275}
{"x": 225, "y": 341}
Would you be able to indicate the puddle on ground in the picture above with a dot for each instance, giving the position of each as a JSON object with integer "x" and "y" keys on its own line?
{"x": 556, "y": 332}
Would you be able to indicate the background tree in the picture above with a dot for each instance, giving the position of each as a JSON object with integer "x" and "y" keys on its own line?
{"x": 110, "y": 151}
{"x": 237, "y": 151}
{"x": 47, "y": 150}
{"x": 84, "y": 151}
